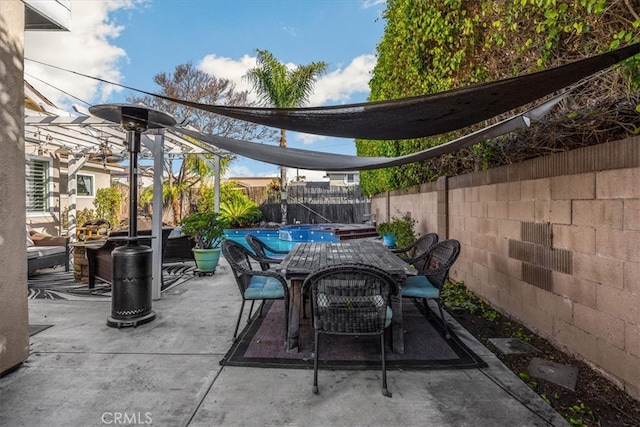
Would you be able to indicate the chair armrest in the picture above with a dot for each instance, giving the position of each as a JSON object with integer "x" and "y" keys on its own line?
{"x": 261, "y": 260}
{"x": 405, "y": 249}
{"x": 276, "y": 251}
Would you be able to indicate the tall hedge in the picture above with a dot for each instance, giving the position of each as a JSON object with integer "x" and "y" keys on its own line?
{"x": 437, "y": 45}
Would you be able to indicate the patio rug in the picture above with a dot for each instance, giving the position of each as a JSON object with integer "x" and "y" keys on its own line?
{"x": 56, "y": 283}
{"x": 261, "y": 344}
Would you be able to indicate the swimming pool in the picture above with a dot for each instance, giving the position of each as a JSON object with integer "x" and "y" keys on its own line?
{"x": 284, "y": 238}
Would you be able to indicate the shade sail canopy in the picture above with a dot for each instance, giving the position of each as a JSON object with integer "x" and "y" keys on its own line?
{"x": 314, "y": 160}
{"x": 426, "y": 115}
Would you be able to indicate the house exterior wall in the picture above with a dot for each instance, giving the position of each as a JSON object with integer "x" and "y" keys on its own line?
{"x": 340, "y": 179}
{"x": 553, "y": 242}
{"x": 50, "y": 222}
{"x": 14, "y": 329}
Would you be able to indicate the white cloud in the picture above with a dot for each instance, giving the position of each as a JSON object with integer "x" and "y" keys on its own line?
{"x": 236, "y": 170}
{"x": 335, "y": 87}
{"x": 228, "y": 68}
{"x": 341, "y": 84}
{"x": 308, "y": 138}
{"x": 87, "y": 48}
{"x": 366, "y": 4}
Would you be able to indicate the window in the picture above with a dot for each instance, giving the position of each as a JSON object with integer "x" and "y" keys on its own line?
{"x": 37, "y": 185}
{"x": 85, "y": 185}
{"x": 351, "y": 177}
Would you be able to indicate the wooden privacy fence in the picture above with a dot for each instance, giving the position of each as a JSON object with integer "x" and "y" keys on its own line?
{"x": 311, "y": 205}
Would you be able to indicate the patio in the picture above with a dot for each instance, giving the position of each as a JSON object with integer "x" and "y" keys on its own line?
{"x": 80, "y": 372}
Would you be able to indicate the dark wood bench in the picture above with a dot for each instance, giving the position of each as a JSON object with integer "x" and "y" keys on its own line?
{"x": 178, "y": 249}
{"x": 99, "y": 255}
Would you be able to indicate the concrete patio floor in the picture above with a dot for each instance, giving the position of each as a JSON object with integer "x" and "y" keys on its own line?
{"x": 166, "y": 373}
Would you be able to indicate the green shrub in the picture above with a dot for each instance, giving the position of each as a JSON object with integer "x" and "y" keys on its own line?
{"x": 205, "y": 228}
{"x": 401, "y": 228}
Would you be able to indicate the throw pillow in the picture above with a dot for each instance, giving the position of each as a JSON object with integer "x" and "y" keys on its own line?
{"x": 29, "y": 241}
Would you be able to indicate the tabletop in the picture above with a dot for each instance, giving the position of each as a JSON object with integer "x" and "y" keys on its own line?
{"x": 307, "y": 257}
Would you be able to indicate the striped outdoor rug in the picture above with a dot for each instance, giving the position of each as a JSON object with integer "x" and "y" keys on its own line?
{"x": 55, "y": 283}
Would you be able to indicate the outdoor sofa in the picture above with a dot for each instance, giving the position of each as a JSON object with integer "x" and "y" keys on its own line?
{"x": 45, "y": 251}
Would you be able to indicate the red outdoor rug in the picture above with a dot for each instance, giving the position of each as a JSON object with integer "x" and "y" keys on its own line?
{"x": 261, "y": 344}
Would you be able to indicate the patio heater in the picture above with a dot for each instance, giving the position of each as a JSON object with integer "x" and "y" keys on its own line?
{"x": 132, "y": 263}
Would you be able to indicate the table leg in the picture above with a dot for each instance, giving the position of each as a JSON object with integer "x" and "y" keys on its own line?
{"x": 396, "y": 324}
{"x": 295, "y": 301}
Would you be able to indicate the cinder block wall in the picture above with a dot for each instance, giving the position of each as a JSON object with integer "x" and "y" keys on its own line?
{"x": 420, "y": 204}
{"x": 553, "y": 242}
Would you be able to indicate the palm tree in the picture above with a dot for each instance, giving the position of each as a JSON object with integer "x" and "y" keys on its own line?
{"x": 283, "y": 87}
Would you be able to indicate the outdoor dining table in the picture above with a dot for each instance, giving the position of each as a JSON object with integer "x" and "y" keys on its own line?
{"x": 304, "y": 258}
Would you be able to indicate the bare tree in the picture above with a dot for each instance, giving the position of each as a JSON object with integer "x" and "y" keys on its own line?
{"x": 189, "y": 83}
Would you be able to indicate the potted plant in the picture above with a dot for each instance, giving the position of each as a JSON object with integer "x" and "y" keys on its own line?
{"x": 207, "y": 231}
{"x": 398, "y": 231}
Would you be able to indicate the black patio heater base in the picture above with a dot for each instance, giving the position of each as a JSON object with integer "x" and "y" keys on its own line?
{"x": 117, "y": 323}
{"x": 131, "y": 283}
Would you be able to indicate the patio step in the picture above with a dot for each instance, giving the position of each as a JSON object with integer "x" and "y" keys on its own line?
{"x": 355, "y": 233}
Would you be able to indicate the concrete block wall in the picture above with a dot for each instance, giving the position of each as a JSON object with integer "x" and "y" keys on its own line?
{"x": 14, "y": 316}
{"x": 553, "y": 242}
{"x": 421, "y": 204}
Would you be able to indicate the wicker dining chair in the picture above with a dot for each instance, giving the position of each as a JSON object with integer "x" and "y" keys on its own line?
{"x": 261, "y": 249}
{"x": 254, "y": 284}
{"x": 434, "y": 273}
{"x": 350, "y": 299}
{"x": 416, "y": 250}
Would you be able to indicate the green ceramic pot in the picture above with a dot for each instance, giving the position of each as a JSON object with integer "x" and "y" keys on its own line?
{"x": 206, "y": 259}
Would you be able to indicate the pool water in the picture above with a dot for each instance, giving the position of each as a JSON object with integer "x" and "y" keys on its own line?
{"x": 285, "y": 238}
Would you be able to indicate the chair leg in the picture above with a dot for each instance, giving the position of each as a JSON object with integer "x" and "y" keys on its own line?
{"x": 251, "y": 310}
{"x": 444, "y": 321}
{"x": 316, "y": 349}
{"x": 385, "y": 391}
{"x": 235, "y": 333}
{"x": 430, "y": 314}
{"x": 286, "y": 321}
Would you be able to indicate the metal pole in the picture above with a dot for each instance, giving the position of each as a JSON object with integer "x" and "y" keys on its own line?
{"x": 133, "y": 138}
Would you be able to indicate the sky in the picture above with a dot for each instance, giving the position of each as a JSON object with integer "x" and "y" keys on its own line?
{"x": 130, "y": 41}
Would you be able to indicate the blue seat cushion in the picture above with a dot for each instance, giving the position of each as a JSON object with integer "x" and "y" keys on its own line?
{"x": 419, "y": 287}
{"x": 387, "y": 320}
{"x": 262, "y": 287}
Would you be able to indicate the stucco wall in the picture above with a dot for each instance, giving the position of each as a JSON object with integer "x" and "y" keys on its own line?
{"x": 553, "y": 242}
{"x": 14, "y": 330}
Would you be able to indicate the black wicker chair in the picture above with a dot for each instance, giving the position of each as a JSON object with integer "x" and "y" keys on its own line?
{"x": 416, "y": 250}
{"x": 433, "y": 274}
{"x": 350, "y": 299}
{"x": 261, "y": 249}
{"x": 254, "y": 284}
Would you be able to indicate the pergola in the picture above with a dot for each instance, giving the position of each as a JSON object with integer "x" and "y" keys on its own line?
{"x": 84, "y": 137}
